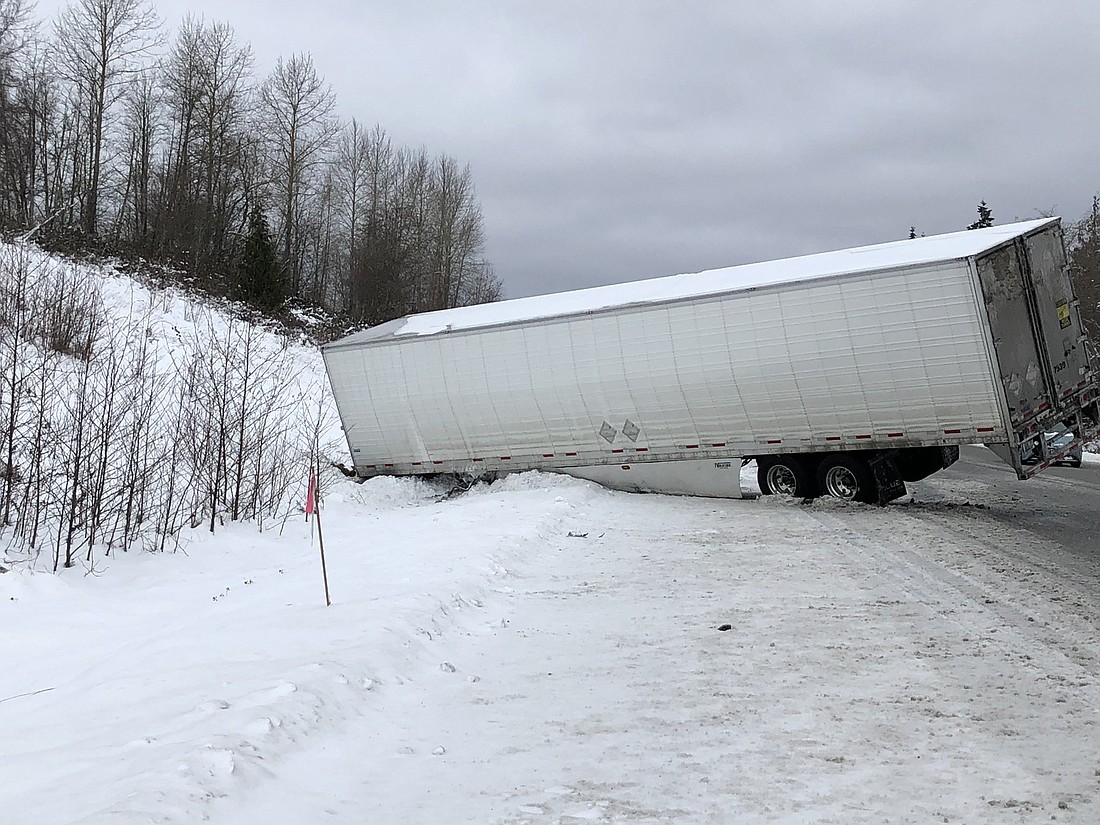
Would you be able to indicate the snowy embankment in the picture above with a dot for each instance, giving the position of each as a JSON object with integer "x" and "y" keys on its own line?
{"x": 129, "y": 413}
{"x": 544, "y": 651}
{"x": 171, "y": 679}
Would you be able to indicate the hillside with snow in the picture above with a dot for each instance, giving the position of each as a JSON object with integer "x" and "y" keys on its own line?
{"x": 130, "y": 411}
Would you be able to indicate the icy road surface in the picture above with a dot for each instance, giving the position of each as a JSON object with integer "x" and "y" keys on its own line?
{"x": 544, "y": 651}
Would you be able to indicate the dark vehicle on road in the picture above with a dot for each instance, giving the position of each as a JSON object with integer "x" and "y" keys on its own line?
{"x": 1062, "y": 448}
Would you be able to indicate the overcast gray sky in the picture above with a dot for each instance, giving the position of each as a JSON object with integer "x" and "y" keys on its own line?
{"x": 611, "y": 141}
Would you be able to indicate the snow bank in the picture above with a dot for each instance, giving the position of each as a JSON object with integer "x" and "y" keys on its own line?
{"x": 175, "y": 679}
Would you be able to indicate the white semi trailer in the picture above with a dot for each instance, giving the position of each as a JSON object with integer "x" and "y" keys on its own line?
{"x": 845, "y": 373}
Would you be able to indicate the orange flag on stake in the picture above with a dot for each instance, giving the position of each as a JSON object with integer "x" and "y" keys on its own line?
{"x": 311, "y": 494}
{"x": 311, "y": 508}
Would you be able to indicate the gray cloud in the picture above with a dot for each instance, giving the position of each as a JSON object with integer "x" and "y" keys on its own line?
{"x": 618, "y": 140}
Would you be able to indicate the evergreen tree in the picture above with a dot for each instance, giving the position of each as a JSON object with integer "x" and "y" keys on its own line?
{"x": 912, "y": 232}
{"x": 985, "y": 217}
{"x": 259, "y": 278}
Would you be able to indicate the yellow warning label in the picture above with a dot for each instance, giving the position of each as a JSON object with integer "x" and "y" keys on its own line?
{"x": 1063, "y": 315}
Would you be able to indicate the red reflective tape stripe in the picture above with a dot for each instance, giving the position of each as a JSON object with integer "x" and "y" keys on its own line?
{"x": 570, "y": 454}
{"x": 505, "y": 458}
{"x": 547, "y": 455}
{"x": 952, "y": 432}
{"x": 641, "y": 449}
{"x": 372, "y": 466}
{"x": 719, "y": 444}
{"x": 863, "y": 436}
{"x": 388, "y": 465}
{"x": 985, "y": 429}
{"x": 832, "y": 438}
{"x": 477, "y": 459}
{"x": 618, "y": 451}
{"x": 691, "y": 446}
{"x": 417, "y": 463}
{"x": 437, "y": 462}
{"x": 775, "y": 440}
{"x": 894, "y": 435}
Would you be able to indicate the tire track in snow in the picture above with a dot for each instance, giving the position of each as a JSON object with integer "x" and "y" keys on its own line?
{"x": 919, "y": 550}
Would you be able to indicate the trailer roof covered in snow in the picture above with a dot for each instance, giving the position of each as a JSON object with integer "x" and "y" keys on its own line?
{"x": 893, "y": 255}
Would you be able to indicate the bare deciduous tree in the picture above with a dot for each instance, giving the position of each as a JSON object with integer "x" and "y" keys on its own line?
{"x": 101, "y": 44}
{"x": 135, "y": 209}
{"x": 208, "y": 87}
{"x": 296, "y": 105}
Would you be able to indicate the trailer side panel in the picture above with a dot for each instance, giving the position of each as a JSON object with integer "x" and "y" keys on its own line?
{"x": 880, "y": 359}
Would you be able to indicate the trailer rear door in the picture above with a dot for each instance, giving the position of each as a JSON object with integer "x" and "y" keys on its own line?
{"x": 1057, "y": 313}
{"x": 1004, "y": 284}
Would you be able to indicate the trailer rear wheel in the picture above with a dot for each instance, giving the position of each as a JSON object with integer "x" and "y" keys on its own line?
{"x": 847, "y": 477}
{"x": 785, "y": 476}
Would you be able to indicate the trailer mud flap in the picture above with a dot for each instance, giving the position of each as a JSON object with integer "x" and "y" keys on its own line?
{"x": 888, "y": 480}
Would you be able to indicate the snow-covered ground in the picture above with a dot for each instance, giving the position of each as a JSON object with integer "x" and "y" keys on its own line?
{"x": 544, "y": 651}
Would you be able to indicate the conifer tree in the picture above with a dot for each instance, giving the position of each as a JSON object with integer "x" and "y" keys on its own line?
{"x": 985, "y": 217}
{"x": 259, "y": 277}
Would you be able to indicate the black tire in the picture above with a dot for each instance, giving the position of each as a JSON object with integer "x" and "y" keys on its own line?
{"x": 785, "y": 475}
{"x": 848, "y": 478}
